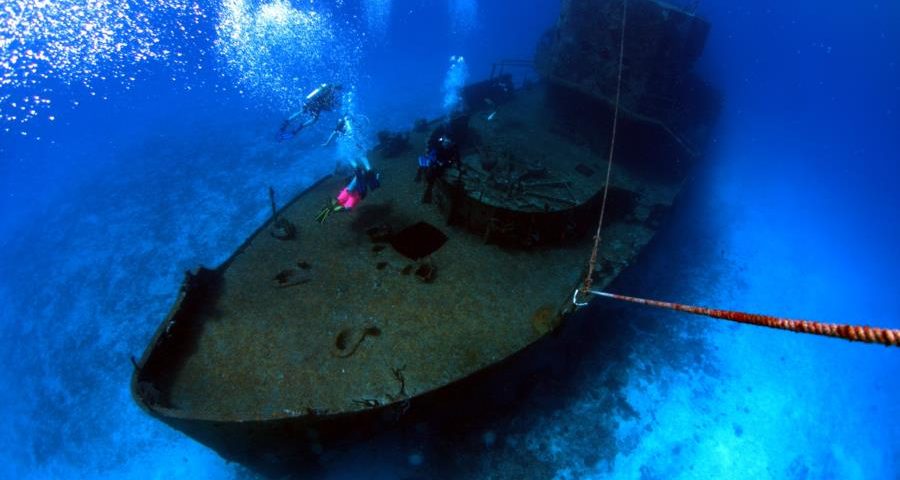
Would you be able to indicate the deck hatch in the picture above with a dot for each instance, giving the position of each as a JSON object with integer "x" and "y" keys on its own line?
{"x": 418, "y": 241}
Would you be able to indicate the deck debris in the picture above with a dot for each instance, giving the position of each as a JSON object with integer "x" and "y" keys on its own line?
{"x": 426, "y": 272}
{"x": 398, "y": 374}
{"x": 282, "y": 228}
{"x": 367, "y": 402}
{"x": 291, "y": 277}
{"x": 349, "y": 339}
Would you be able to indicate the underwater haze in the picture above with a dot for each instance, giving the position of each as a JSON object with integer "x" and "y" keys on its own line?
{"x": 138, "y": 140}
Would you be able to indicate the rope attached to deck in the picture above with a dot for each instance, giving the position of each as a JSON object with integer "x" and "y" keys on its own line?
{"x": 588, "y": 279}
{"x": 855, "y": 333}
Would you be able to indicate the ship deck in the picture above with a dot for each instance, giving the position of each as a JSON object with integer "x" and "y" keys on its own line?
{"x": 338, "y": 320}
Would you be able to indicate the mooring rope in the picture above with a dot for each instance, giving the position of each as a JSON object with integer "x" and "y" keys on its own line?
{"x": 592, "y": 263}
{"x": 855, "y": 333}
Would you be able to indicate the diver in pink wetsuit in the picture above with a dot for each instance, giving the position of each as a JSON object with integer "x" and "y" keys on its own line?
{"x": 364, "y": 180}
{"x": 349, "y": 198}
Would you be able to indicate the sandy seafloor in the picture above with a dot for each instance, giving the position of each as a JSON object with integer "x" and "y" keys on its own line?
{"x": 793, "y": 214}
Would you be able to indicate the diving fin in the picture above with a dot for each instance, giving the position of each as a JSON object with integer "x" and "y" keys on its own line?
{"x": 330, "y": 208}
{"x": 282, "y": 136}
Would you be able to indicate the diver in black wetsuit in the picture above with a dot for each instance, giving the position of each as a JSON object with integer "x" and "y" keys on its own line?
{"x": 325, "y": 98}
{"x": 441, "y": 152}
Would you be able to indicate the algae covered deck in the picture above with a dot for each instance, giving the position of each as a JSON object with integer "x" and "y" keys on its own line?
{"x": 338, "y": 320}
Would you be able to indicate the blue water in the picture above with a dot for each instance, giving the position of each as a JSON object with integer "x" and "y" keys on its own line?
{"x": 145, "y": 147}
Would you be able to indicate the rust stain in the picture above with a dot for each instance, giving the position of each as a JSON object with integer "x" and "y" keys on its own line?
{"x": 545, "y": 319}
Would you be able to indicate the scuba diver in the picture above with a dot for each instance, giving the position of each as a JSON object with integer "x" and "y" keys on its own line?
{"x": 342, "y": 128}
{"x": 325, "y": 98}
{"x": 440, "y": 152}
{"x": 363, "y": 181}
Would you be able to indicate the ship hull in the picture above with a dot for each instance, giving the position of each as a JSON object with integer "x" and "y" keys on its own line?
{"x": 271, "y": 374}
